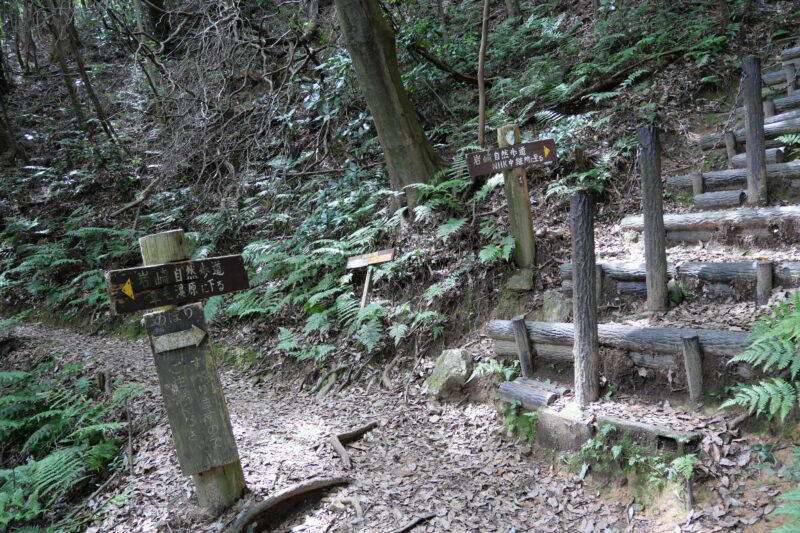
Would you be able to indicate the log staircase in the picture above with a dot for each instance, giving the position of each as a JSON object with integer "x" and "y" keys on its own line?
{"x": 695, "y": 356}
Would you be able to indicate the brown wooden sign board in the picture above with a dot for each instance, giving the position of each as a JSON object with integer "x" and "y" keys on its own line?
{"x": 363, "y": 260}
{"x": 514, "y": 156}
{"x": 141, "y": 288}
{"x": 192, "y": 392}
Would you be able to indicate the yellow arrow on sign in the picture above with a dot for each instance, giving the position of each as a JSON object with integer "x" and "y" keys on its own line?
{"x": 546, "y": 151}
{"x": 127, "y": 289}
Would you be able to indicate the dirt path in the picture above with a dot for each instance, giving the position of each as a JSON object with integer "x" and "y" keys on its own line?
{"x": 425, "y": 458}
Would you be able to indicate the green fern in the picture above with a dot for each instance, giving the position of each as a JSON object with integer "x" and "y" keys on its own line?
{"x": 683, "y": 466}
{"x": 445, "y": 231}
{"x": 774, "y": 347}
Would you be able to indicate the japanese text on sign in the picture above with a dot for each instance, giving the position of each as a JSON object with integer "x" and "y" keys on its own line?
{"x": 514, "y": 156}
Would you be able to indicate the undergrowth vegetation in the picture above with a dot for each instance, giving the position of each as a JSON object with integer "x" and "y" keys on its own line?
{"x": 61, "y": 432}
{"x": 273, "y": 200}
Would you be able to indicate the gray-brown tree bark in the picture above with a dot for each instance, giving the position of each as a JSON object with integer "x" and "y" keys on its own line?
{"x": 584, "y": 302}
{"x": 653, "y": 206}
{"x": 757, "y": 187}
{"x": 410, "y": 158}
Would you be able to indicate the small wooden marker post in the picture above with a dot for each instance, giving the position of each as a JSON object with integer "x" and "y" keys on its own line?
{"x": 366, "y": 260}
{"x": 757, "y": 187}
{"x": 187, "y": 374}
{"x": 511, "y": 158}
{"x": 763, "y": 282}
{"x": 655, "y": 237}
{"x": 692, "y": 363}
{"x": 791, "y": 78}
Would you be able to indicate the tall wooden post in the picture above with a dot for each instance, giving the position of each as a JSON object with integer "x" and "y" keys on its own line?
{"x": 584, "y": 303}
{"x": 519, "y": 203}
{"x": 190, "y": 385}
{"x": 757, "y": 187}
{"x": 655, "y": 237}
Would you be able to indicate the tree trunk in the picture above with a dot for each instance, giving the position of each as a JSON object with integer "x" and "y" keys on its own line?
{"x": 735, "y": 178}
{"x": 763, "y": 217}
{"x": 410, "y": 158}
{"x": 481, "y": 78}
{"x": 513, "y": 11}
{"x": 584, "y": 307}
{"x": 716, "y": 200}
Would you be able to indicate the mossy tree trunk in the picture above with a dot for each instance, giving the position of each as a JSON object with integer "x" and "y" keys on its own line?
{"x": 370, "y": 40}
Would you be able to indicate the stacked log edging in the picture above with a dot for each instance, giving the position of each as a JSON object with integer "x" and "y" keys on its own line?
{"x": 765, "y": 223}
{"x": 655, "y": 348}
{"x": 736, "y": 279}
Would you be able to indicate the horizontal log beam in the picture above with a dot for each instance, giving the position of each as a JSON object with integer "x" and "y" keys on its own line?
{"x": 658, "y": 340}
{"x": 649, "y": 432}
{"x": 790, "y": 53}
{"x": 773, "y": 156}
{"x": 756, "y": 218}
{"x": 786, "y": 274}
{"x": 720, "y": 199}
{"x": 736, "y": 178}
{"x": 772, "y": 129}
{"x": 781, "y": 105}
{"x": 528, "y": 395}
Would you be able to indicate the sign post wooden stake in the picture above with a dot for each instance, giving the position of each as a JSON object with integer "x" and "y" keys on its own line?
{"x": 519, "y": 203}
{"x": 188, "y": 377}
{"x": 366, "y": 260}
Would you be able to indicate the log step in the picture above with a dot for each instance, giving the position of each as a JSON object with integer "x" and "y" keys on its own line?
{"x": 529, "y": 393}
{"x": 761, "y": 222}
{"x": 773, "y": 156}
{"x": 786, "y": 274}
{"x": 650, "y": 434}
{"x": 789, "y": 54}
{"x": 781, "y": 104}
{"x": 720, "y": 199}
{"x": 716, "y": 343}
{"x": 772, "y": 129}
{"x": 736, "y": 178}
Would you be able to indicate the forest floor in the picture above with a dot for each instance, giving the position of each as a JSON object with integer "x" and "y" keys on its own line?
{"x": 452, "y": 460}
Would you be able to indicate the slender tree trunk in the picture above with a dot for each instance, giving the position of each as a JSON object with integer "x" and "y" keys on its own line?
{"x": 513, "y": 10}
{"x": 442, "y": 16}
{"x": 481, "y": 80}
{"x": 409, "y": 156}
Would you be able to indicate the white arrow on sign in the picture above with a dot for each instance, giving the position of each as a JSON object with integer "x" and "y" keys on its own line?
{"x": 178, "y": 339}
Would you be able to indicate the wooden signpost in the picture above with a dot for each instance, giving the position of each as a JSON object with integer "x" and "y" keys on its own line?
{"x": 511, "y": 158}
{"x": 365, "y": 260}
{"x": 187, "y": 374}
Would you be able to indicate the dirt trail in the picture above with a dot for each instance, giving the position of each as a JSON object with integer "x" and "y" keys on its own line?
{"x": 425, "y": 458}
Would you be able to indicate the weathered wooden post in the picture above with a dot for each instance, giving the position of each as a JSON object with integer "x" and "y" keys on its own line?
{"x": 698, "y": 184}
{"x": 731, "y": 146}
{"x": 692, "y": 363}
{"x": 757, "y": 187}
{"x": 584, "y": 303}
{"x": 763, "y": 282}
{"x": 366, "y": 260}
{"x": 655, "y": 237}
{"x": 526, "y": 351}
{"x": 791, "y": 78}
{"x": 519, "y": 203}
{"x": 190, "y": 385}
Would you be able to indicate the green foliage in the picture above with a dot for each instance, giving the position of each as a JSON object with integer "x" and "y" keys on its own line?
{"x": 774, "y": 347}
{"x": 67, "y": 434}
{"x": 683, "y": 467}
{"x": 507, "y": 370}
{"x": 521, "y": 423}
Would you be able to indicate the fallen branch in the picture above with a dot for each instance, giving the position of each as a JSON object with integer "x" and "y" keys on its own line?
{"x": 356, "y": 434}
{"x": 411, "y": 524}
{"x": 338, "y": 441}
{"x": 340, "y": 449}
{"x": 139, "y": 199}
{"x": 287, "y": 499}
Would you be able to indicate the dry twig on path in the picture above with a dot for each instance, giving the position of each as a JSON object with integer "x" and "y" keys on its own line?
{"x": 411, "y": 524}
